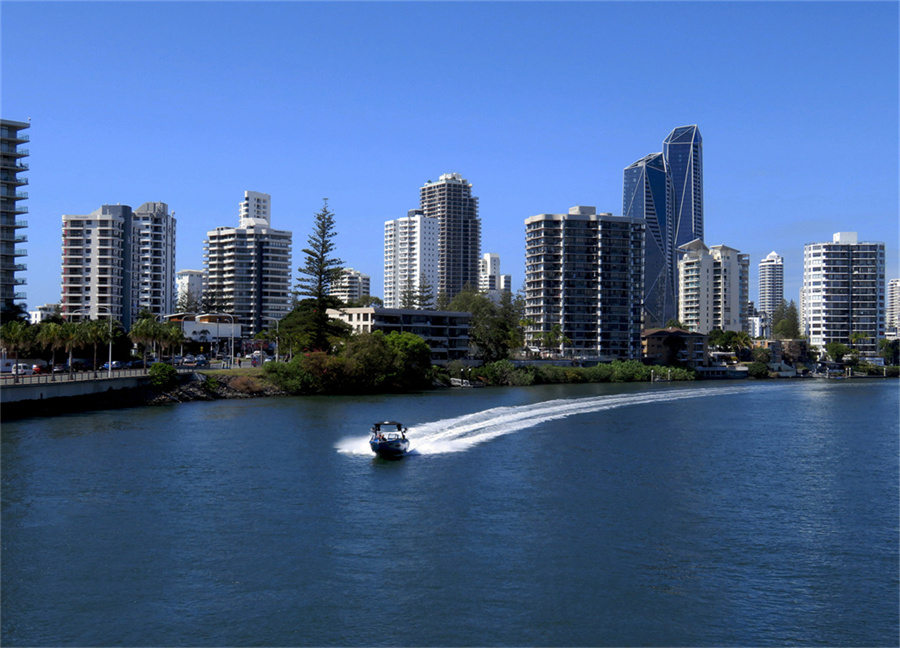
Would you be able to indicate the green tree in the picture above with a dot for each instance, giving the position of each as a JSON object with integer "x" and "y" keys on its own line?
{"x": 425, "y": 294}
{"x": 889, "y": 350}
{"x": 320, "y": 270}
{"x": 145, "y": 331}
{"x": 494, "y": 328}
{"x": 73, "y": 336}
{"x": 96, "y": 332}
{"x": 762, "y": 354}
{"x": 50, "y": 334}
{"x": 836, "y": 350}
{"x": 674, "y": 323}
{"x": 786, "y": 321}
{"x": 188, "y": 302}
{"x": 16, "y": 336}
{"x": 758, "y": 369}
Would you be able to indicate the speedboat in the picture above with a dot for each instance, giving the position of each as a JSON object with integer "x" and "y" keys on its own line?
{"x": 388, "y": 439}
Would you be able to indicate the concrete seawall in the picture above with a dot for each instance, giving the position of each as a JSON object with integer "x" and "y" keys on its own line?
{"x": 10, "y": 393}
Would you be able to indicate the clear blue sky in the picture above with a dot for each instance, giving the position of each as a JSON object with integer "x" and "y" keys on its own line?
{"x": 539, "y": 105}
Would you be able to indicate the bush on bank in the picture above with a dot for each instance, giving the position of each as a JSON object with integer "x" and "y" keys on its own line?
{"x": 365, "y": 364}
{"x": 504, "y": 372}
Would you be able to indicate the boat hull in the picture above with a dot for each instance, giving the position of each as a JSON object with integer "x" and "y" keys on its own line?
{"x": 390, "y": 449}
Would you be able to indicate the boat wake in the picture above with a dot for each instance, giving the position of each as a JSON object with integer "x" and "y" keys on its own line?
{"x": 461, "y": 433}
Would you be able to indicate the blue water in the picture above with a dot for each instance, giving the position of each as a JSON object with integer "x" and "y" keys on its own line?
{"x": 676, "y": 514}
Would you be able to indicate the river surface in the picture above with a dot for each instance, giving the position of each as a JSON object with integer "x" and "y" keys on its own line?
{"x": 684, "y": 514}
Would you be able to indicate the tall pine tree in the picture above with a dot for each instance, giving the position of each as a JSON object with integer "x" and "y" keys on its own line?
{"x": 320, "y": 270}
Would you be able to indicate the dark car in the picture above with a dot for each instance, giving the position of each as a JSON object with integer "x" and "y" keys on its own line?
{"x": 116, "y": 364}
{"x": 136, "y": 364}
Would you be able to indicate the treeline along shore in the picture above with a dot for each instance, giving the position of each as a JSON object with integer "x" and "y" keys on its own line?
{"x": 320, "y": 374}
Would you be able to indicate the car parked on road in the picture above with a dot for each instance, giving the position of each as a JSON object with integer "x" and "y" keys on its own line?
{"x": 116, "y": 364}
{"x": 136, "y": 364}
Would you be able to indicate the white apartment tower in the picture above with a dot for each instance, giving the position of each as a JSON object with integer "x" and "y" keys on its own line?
{"x": 892, "y": 312}
{"x": 154, "y": 247}
{"x": 771, "y": 283}
{"x": 247, "y": 269}
{"x": 450, "y": 200}
{"x": 352, "y": 286}
{"x": 713, "y": 288}
{"x": 410, "y": 256}
{"x": 584, "y": 281}
{"x": 490, "y": 280}
{"x": 843, "y": 293}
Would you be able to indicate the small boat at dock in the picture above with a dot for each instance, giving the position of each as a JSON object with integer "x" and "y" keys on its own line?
{"x": 388, "y": 439}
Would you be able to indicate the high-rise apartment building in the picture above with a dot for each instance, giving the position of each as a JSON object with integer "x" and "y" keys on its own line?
{"x": 352, "y": 286}
{"x": 771, "y": 283}
{"x": 490, "y": 280}
{"x": 410, "y": 256}
{"x": 98, "y": 262}
{"x": 247, "y": 269}
{"x": 450, "y": 200}
{"x": 649, "y": 195}
{"x": 584, "y": 275}
{"x": 892, "y": 312}
{"x": 666, "y": 190}
{"x": 843, "y": 293}
{"x": 154, "y": 246}
{"x": 683, "y": 152}
{"x": 11, "y": 208}
{"x": 713, "y": 288}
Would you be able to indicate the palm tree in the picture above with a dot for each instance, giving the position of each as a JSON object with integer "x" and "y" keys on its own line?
{"x": 72, "y": 335}
{"x": 145, "y": 332}
{"x": 50, "y": 334}
{"x": 96, "y": 333}
{"x": 16, "y": 336}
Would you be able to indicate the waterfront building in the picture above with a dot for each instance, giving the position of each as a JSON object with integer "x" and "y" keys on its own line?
{"x": 713, "y": 288}
{"x": 760, "y": 326}
{"x": 450, "y": 200}
{"x": 670, "y": 346}
{"x": 892, "y": 311}
{"x": 666, "y": 191}
{"x": 410, "y": 256}
{"x": 445, "y": 332}
{"x": 118, "y": 262}
{"x": 649, "y": 195}
{"x": 154, "y": 247}
{"x": 247, "y": 269}
{"x": 189, "y": 287}
{"x": 352, "y": 286}
{"x": 490, "y": 281}
{"x": 771, "y": 283}
{"x": 98, "y": 265}
{"x": 12, "y": 163}
{"x": 584, "y": 282}
{"x": 843, "y": 293}
{"x": 683, "y": 153}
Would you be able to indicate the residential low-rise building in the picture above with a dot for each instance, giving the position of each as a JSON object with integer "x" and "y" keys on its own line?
{"x": 672, "y": 346}
{"x": 445, "y": 332}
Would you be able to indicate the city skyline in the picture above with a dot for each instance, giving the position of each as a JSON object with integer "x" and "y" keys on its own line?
{"x": 335, "y": 100}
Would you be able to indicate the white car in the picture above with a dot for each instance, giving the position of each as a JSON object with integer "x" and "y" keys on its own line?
{"x": 22, "y": 369}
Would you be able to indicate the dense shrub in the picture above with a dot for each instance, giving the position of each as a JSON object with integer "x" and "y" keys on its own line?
{"x": 758, "y": 370}
{"x": 163, "y": 376}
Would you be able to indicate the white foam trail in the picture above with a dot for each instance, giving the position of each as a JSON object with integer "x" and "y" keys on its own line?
{"x": 462, "y": 432}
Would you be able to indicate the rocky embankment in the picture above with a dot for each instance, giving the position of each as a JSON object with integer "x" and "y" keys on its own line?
{"x": 216, "y": 387}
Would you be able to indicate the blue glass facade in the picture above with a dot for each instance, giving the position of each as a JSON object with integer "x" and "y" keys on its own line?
{"x": 648, "y": 195}
{"x": 666, "y": 190}
{"x": 683, "y": 154}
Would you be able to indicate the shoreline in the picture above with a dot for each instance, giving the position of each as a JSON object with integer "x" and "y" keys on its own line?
{"x": 207, "y": 386}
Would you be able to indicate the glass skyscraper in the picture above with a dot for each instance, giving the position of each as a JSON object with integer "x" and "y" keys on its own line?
{"x": 683, "y": 153}
{"x": 666, "y": 190}
{"x": 649, "y": 196}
